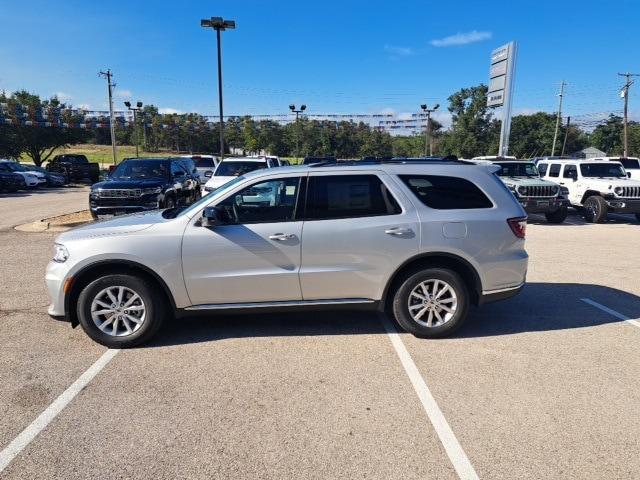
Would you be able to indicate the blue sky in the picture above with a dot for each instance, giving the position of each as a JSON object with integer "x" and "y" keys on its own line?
{"x": 335, "y": 56}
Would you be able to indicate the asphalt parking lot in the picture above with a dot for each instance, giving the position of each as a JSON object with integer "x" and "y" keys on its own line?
{"x": 544, "y": 385}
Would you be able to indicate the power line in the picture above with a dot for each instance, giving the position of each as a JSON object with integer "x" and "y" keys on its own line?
{"x": 625, "y": 94}
{"x": 110, "y": 86}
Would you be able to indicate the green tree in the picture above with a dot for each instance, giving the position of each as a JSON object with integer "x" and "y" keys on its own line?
{"x": 473, "y": 130}
{"x": 608, "y": 136}
{"x": 39, "y": 142}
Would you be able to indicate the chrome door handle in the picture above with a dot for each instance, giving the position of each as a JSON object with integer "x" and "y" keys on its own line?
{"x": 282, "y": 236}
{"x": 398, "y": 231}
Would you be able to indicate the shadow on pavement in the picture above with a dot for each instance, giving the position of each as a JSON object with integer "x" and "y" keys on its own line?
{"x": 539, "y": 307}
{"x": 576, "y": 219}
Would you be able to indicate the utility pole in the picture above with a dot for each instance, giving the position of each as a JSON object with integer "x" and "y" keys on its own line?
{"x": 427, "y": 136}
{"x": 109, "y": 76}
{"x": 292, "y": 107}
{"x": 566, "y": 134}
{"x": 558, "y": 118}
{"x": 624, "y": 93}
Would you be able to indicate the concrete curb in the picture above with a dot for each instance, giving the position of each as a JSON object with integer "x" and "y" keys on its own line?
{"x": 44, "y": 225}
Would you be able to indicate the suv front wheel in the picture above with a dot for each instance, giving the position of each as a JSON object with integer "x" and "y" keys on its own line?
{"x": 595, "y": 209}
{"x": 431, "y": 303}
{"x": 120, "y": 311}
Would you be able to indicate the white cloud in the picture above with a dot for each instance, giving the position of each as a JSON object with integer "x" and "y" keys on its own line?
{"x": 399, "y": 51}
{"x": 405, "y": 115}
{"x": 170, "y": 111}
{"x": 123, "y": 94}
{"x": 84, "y": 106}
{"x": 443, "y": 117}
{"x": 387, "y": 111}
{"x": 461, "y": 39}
{"x": 63, "y": 97}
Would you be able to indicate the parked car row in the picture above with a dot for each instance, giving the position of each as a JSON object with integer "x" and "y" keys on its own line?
{"x": 15, "y": 176}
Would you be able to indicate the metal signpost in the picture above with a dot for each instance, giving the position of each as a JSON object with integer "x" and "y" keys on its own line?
{"x": 500, "y": 93}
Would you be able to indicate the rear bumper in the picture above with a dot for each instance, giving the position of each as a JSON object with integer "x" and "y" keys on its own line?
{"x": 502, "y": 294}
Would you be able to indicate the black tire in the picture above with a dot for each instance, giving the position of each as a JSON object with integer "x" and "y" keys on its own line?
{"x": 169, "y": 202}
{"x": 153, "y": 301}
{"x": 595, "y": 209}
{"x": 401, "y": 303}
{"x": 558, "y": 216}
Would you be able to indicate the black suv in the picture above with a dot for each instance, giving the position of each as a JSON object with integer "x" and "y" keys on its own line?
{"x": 139, "y": 184}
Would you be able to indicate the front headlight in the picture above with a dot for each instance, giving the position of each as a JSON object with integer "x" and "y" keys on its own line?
{"x": 151, "y": 191}
{"x": 60, "y": 253}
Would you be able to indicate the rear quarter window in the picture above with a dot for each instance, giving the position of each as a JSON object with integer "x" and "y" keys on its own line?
{"x": 542, "y": 168}
{"x": 554, "y": 170}
{"x": 446, "y": 193}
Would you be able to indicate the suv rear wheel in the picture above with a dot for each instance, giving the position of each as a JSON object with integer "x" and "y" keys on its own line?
{"x": 120, "y": 311}
{"x": 431, "y": 303}
{"x": 558, "y": 216}
{"x": 595, "y": 209}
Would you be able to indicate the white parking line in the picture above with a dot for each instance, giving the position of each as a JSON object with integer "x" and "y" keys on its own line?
{"x": 611, "y": 312}
{"x": 45, "y": 418}
{"x": 454, "y": 450}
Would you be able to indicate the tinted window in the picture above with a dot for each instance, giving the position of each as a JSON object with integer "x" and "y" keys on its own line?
{"x": 270, "y": 201}
{"x": 570, "y": 171}
{"x": 602, "y": 170}
{"x": 630, "y": 163}
{"x": 554, "y": 170}
{"x": 345, "y": 196}
{"x": 76, "y": 159}
{"x": 446, "y": 193}
{"x": 138, "y": 169}
{"x": 205, "y": 163}
{"x": 189, "y": 165}
{"x": 512, "y": 169}
{"x": 235, "y": 168}
{"x": 177, "y": 169}
{"x": 542, "y": 168}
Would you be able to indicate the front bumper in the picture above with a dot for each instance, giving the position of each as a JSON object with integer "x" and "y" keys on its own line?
{"x": 542, "y": 205}
{"x": 624, "y": 205}
{"x": 55, "y": 277}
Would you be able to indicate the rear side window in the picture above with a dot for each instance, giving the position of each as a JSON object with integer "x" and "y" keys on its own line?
{"x": 570, "y": 171}
{"x": 446, "y": 193}
{"x": 554, "y": 170}
{"x": 348, "y": 196}
{"x": 542, "y": 168}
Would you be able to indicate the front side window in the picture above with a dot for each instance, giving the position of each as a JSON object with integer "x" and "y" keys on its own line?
{"x": 570, "y": 171}
{"x": 446, "y": 193}
{"x": 264, "y": 202}
{"x": 554, "y": 170}
{"x": 348, "y": 196}
{"x": 177, "y": 170}
{"x": 542, "y": 168}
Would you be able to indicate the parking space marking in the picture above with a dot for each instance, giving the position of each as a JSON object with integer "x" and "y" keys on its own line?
{"x": 633, "y": 322}
{"x": 454, "y": 450}
{"x": 28, "y": 434}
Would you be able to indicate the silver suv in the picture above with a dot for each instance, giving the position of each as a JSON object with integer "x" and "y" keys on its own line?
{"x": 422, "y": 241}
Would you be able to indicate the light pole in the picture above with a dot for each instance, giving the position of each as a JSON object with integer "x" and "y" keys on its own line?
{"x": 135, "y": 109}
{"x": 219, "y": 25}
{"x": 427, "y": 137}
{"x": 292, "y": 107}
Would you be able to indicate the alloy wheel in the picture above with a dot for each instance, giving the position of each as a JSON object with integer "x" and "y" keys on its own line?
{"x": 433, "y": 303}
{"x": 118, "y": 311}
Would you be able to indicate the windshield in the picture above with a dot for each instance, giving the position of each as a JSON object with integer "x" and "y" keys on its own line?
{"x": 75, "y": 159}
{"x": 602, "y": 170}
{"x": 630, "y": 163}
{"x": 204, "y": 163}
{"x": 510, "y": 169}
{"x": 194, "y": 207}
{"x": 236, "y": 168}
{"x": 14, "y": 167}
{"x": 141, "y": 169}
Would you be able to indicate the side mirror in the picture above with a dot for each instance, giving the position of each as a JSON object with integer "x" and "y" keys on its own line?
{"x": 629, "y": 174}
{"x": 208, "y": 173}
{"x": 211, "y": 216}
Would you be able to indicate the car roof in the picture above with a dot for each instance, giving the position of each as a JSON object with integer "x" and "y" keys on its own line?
{"x": 578, "y": 160}
{"x": 245, "y": 159}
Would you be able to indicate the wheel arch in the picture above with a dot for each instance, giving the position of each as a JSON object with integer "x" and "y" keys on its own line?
{"x": 590, "y": 193}
{"x": 451, "y": 261}
{"x": 94, "y": 270}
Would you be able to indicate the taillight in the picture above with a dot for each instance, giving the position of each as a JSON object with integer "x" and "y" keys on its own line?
{"x": 518, "y": 226}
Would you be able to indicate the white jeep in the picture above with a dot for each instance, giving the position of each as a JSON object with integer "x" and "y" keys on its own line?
{"x": 596, "y": 187}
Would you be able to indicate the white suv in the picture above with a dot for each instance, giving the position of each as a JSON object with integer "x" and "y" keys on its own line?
{"x": 230, "y": 168}
{"x": 595, "y": 186}
{"x": 630, "y": 164}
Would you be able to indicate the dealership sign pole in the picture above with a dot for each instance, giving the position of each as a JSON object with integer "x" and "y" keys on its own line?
{"x": 500, "y": 93}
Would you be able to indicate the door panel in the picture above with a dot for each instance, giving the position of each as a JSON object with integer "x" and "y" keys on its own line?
{"x": 254, "y": 256}
{"x": 240, "y": 263}
{"x": 353, "y": 257}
